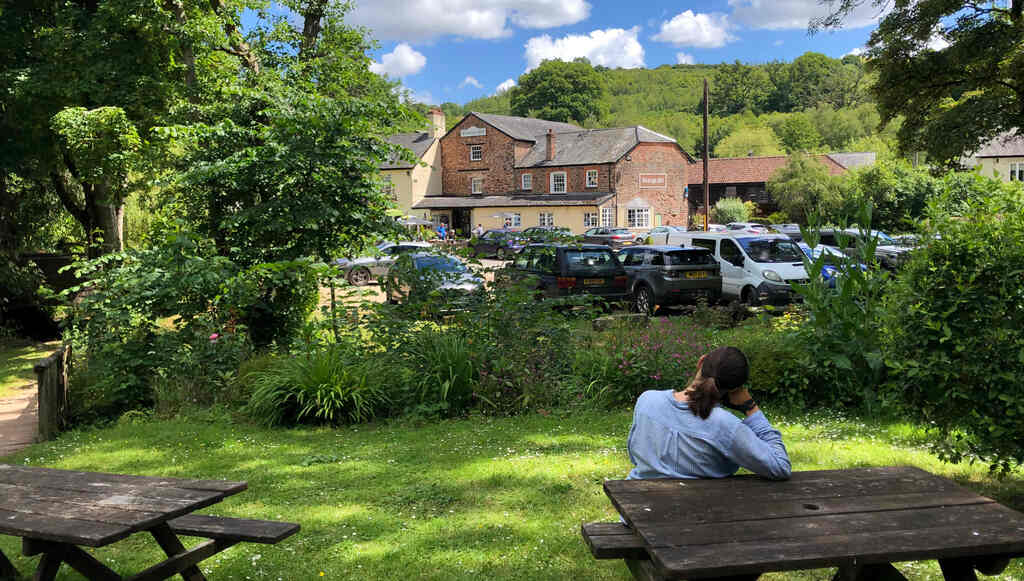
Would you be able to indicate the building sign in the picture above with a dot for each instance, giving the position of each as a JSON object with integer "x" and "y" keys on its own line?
{"x": 473, "y": 131}
{"x": 653, "y": 181}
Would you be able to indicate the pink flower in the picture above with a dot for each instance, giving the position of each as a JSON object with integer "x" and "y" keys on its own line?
{"x": 214, "y": 337}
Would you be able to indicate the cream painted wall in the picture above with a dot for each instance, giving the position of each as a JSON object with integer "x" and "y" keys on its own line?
{"x": 570, "y": 217}
{"x": 988, "y": 166}
{"x": 412, "y": 184}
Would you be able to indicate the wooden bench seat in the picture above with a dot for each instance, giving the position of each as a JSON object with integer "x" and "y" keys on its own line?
{"x": 613, "y": 540}
{"x": 233, "y": 529}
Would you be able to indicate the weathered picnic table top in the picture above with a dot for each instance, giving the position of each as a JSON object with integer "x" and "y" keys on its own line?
{"x": 94, "y": 509}
{"x": 744, "y": 524}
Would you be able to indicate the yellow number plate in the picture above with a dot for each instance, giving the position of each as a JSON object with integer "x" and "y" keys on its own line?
{"x": 593, "y": 281}
{"x": 697, "y": 274}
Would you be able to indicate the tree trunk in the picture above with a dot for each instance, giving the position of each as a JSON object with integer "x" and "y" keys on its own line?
{"x": 109, "y": 220}
{"x": 312, "y": 16}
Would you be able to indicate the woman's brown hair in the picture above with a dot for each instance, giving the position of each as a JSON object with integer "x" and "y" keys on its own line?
{"x": 721, "y": 371}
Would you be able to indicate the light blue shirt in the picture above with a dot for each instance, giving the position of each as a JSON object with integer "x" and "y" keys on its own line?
{"x": 667, "y": 440}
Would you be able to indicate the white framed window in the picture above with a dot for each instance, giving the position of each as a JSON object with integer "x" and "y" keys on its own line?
{"x": 527, "y": 181}
{"x": 476, "y": 152}
{"x": 591, "y": 178}
{"x": 1017, "y": 172}
{"x": 546, "y": 219}
{"x": 607, "y": 217}
{"x": 389, "y": 189}
{"x": 476, "y": 185}
{"x": 590, "y": 219}
{"x": 638, "y": 217}
{"x": 558, "y": 182}
{"x": 517, "y": 220}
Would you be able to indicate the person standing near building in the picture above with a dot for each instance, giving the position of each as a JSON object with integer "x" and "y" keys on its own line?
{"x": 478, "y": 231}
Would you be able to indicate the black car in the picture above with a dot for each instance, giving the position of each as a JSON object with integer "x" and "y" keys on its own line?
{"x": 887, "y": 252}
{"x": 498, "y": 243}
{"x": 563, "y": 270}
{"x": 671, "y": 275}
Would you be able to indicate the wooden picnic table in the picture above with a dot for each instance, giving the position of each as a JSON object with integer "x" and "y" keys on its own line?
{"x": 57, "y": 512}
{"x": 859, "y": 520}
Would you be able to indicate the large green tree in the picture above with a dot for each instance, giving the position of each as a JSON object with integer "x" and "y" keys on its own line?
{"x": 804, "y": 188}
{"x": 738, "y": 87}
{"x": 951, "y": 68}
{"x": 559, "y": 91}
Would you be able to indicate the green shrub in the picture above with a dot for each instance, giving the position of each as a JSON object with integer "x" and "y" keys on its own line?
{"x": 778, "y": 373}
{"x": 954, "y": 338}
{"x": 777, "y": 217}
{"x": 446, "y": 368}
{"x": 329, "y": 385}
{"x": 730, "y": 210}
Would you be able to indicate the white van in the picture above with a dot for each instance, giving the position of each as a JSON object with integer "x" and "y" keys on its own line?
{"x": 756, "y": 268}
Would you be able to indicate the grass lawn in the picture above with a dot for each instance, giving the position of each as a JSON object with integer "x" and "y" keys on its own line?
{"x": 16, "y": 361}
{"x": 478, "y": 498}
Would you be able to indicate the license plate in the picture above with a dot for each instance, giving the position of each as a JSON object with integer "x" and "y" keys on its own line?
{"x": 697, "y": 274}
{"x": 593, "y": 281}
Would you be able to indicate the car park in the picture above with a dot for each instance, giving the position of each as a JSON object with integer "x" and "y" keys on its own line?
{"x": 834, "y": 261}
{"x": 717, "y": 228}
{"x": 360, "y": 271}
{"x": 663, "y": 275}
{"x": 756, "y": 268}
{"x": 418, "y": 275}
{"x": 664, "y": 234}
{"x": 547, "y": 234}
{"x": 889, "y": 254}
{"x": 498, "y": 243}
{"x": 791, "y": 230}
{"x": 747, "y": 227}
{"x": 560, "y": 270}
{"x": 614, "y": 237}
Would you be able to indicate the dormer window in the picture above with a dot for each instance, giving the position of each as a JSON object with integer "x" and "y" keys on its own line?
{"x": 476, "y": 152}
{"x": 527, "y": 182}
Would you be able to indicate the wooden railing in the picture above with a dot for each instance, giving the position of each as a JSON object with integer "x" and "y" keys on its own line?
{"x": 52, "y": 375}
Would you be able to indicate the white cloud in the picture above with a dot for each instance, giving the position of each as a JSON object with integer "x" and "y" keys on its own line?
{"x": 414, "y": 96}
{"x": 506, "y": 85}
{"x": 421, "y": 20}
{"x": 859, "y": 51}
{"x": 470, "y": 81}
{"x": 693, "y": 29}
{"x": 684, "y": 59}
{"x": 612, "y": 47}
{"x": 401, "y": 62}
{"x": 788, "y": 14}
{"x": 779, "y": 42}
{"x": 937, "y": 43}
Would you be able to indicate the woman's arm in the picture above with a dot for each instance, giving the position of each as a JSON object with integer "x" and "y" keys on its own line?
{"x": 756, "y": 445}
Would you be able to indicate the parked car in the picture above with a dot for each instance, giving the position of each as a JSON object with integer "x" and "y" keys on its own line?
{"x": 834, "y": 263}
{"x": 747, "y": 227}
{"x": 889, "y": 254}
{"x": 500, "y": 243}
{"x": 547, "y": 233}
{"x": 614, "y": 237}
{"x": 562, "y": 270}
{"x": 416, "y": 276}
{"x": 664, "y": 234}
{"x": 791, "y": 230}
{"x": 717, "y": 228}
{"x": 663, "y": 275}
{"x": 360, "y": 271}
{"x": 756, "y": 268}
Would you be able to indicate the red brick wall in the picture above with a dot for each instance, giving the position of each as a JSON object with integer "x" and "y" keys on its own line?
{"x": 654, "y": 158}
{"x": 496, "y": 167}
{"x": 575, "y": 175}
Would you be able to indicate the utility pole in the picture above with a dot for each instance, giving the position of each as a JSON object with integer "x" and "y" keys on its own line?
{"x": 707, "y": 195}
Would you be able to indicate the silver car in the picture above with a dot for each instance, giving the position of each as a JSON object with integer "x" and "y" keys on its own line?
{"x": 360, "y": 271}
{"x": 664, "y": 234}
{"x": 442, "y": 273}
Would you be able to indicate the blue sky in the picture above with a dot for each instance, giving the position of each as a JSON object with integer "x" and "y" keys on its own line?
{"x": 457, "y": 50}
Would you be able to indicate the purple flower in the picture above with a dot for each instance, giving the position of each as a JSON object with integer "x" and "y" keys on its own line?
{"x": 214, "y": 337}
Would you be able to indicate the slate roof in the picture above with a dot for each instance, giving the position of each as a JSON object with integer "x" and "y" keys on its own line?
{"x": 746, "y": 170}
{"x": 590, "y": 146}
{"x": 524, "y": 128}
{"x": 513, "y": 200}
{"x": 852, "y": 159}
{"x": 1008, "y": 144}
{"x": 418, "y": 142}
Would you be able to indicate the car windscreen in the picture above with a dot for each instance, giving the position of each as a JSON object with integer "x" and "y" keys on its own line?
{"x": 590, "y": 261}
{"x": 771, "y": 250}
{"x": 440, "y": 264}
{"x": 689, "y": 258}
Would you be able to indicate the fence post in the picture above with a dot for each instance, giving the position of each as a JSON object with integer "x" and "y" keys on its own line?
{"x": 52, "y": 378}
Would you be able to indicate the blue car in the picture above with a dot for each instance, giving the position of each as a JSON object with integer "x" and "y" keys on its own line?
{"x": 834, "y": 260}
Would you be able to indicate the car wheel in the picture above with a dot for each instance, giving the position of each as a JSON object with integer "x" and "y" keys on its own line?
{"x": 359, "y": 276}
{"x": 643, "y": 300}
{"x": 749, "y": 297}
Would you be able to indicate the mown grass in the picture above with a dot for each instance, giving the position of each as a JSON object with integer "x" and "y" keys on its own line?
{"x": 16, "y": 361}
{"x": 476, "y": 498}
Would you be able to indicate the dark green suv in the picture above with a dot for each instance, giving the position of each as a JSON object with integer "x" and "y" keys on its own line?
{"x": 563, "y": 270}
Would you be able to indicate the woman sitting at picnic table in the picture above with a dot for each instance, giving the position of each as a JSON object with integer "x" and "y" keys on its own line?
{"x": 686, "y": 434}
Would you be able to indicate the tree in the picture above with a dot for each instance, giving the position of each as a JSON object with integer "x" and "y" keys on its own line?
{"x": 798, "y": 135}
{"x": 739, "y": 87}
{"x": 950, "y": 68}
{"x": 559, "y": 91}
{"x": 804, "y": 188}
{"x": 749, "y": 141}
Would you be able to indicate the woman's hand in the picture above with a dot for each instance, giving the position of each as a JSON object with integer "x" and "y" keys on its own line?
{"x": 736, "y": 399}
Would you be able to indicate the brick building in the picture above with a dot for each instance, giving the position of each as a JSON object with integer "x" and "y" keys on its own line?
{"x": 535, "y": 172}
{"x": 410, "y": 181}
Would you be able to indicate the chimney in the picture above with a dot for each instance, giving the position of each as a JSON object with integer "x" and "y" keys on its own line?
{"x": 437, "y": 127}
{"x": 551, "y": 146}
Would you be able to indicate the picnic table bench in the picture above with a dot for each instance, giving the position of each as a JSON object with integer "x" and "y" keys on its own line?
{"x": 859, "y": 520}
{"x": 57, "y": 512}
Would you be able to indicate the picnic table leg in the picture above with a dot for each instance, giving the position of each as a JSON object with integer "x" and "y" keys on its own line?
{"x": 877, "y": 572}
{"x": 643, "y": 570}
{"x": 7, "y": 570}
{"x": 54, "y": 554}
{"x": 961, "y": 569}
{"x": 48, "y": 566}
{"x": 171, "y": 545}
